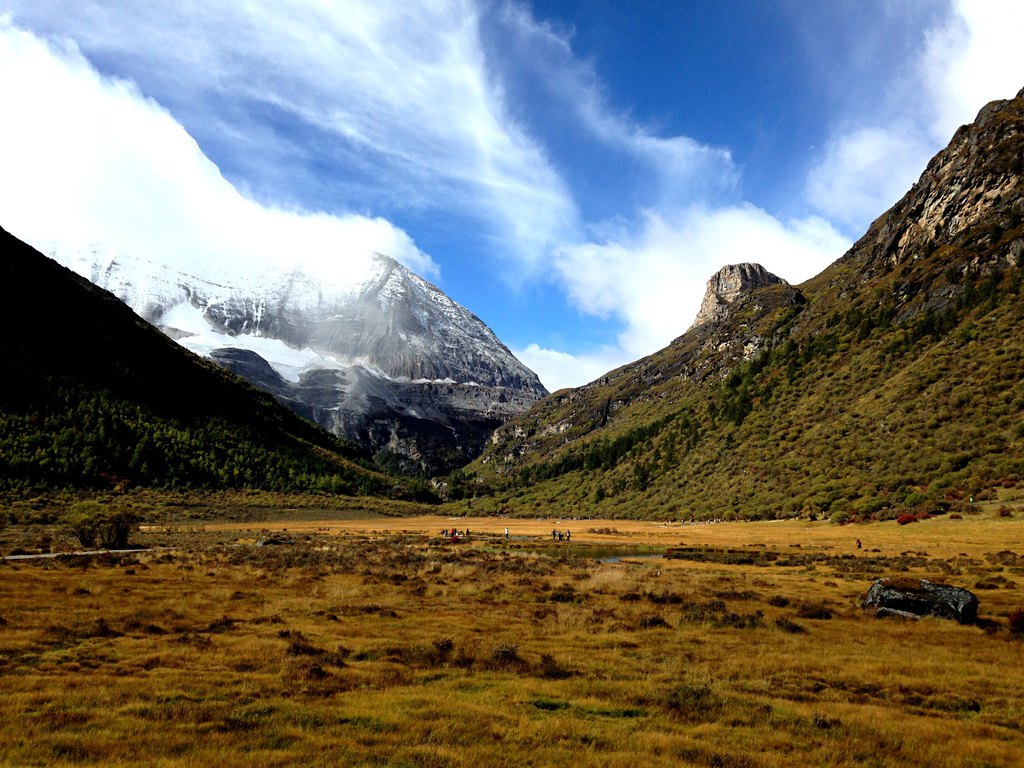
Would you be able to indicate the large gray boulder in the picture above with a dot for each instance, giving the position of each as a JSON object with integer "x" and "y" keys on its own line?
{"x": 914, "y": 598}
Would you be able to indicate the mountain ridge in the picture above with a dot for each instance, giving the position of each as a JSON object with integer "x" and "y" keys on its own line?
{"x": 378, "y": 356}
{"x": 845, "y": 395}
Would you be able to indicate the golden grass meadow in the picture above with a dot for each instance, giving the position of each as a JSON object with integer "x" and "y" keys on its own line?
{"x": 374, "y": 641}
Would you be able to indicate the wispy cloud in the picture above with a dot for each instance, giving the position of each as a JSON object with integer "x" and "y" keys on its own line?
{"x": 537, "y": 61}
{"x": 967, "y": 58}
{"x": 89, "y": 161}
{"x": 973, "y": 58}
{"x": 393, "y": 99}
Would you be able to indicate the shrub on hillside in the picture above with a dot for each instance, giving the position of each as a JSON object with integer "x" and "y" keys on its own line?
{"x": 905, "y": 518}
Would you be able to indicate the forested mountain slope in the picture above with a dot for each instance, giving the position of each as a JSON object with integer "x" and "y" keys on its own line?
{"x": 94, "y": 397}
{"x": 892, "y": 381}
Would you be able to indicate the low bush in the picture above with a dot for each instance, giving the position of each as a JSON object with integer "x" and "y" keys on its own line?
{"x": 653, "y": 622}
{"x": 551, "y": 669}
{"x": 789, "y": 626}
{"x": 742, "y": 620}
{"x": 1016, "y": 622}
{"x": 695, "y": 702}
{"x": 905, "y": 518}
{"x": 506, "y": 656}
{"x": 814, "y": 611}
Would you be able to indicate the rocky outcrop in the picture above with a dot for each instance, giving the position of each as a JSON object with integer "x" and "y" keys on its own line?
{"x": 728, "y": 284}
{"x": 968, "y": 195}
{"x": 914, "y": 598}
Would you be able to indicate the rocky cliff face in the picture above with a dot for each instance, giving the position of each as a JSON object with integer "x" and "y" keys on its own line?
{"x": 381, "y": 357}
{"x": 978, "y": 176}
{"x": 727, "y": 285}
{"x": 957, "y": 225}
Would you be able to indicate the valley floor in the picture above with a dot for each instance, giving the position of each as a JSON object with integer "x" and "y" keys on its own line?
{"x": 376, "y": 642}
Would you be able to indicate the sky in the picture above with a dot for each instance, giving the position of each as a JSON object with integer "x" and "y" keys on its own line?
{"x": 571, "y": 171}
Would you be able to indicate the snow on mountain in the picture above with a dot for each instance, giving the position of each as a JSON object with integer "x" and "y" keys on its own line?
{"x": 306, "y": 337}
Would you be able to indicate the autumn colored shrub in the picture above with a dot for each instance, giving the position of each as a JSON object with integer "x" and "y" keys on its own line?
{"x": 905, "y": 518}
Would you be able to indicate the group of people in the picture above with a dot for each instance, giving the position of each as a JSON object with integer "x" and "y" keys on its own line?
{"x": 455, "y": 533}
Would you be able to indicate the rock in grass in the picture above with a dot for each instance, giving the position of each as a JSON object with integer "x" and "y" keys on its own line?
{"x": 274, "y": 540}
{"x": 914, "y": 598}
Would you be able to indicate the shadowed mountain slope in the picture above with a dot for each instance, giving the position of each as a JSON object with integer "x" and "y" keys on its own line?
{"x": 93, "y": 396}
{"x": 893, "y": 381}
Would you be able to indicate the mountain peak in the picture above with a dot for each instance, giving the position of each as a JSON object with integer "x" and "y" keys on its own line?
{"x": 726, "y": 285}
{"x": 368, "y": 349}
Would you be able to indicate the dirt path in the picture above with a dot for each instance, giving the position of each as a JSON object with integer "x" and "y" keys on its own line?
{"x": 79, "y": 553}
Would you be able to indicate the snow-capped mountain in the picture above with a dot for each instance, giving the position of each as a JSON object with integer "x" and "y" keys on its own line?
{"x": 374, "y": 353}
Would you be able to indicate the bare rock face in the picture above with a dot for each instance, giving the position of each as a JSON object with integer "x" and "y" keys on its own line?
{"x": 914, "y": 598}
{"x": 727, "y": 285}
{"x": 977, "y": 178}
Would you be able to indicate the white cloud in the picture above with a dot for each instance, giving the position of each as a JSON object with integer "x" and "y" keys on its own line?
{"x": 866, "y": 170}
{"x": 397, "y": 96}
{"x": 558, "y": 370}
{"x": 971, "y": 57}
{"x": 974, "y": 58}
{"x": 89, "y": 160}
{"x": 654, "y": 280}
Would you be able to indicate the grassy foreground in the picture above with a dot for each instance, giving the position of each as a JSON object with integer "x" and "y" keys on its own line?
{"x": 375, "y": 642}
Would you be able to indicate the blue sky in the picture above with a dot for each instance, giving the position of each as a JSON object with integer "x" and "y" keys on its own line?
{"x": 572, "y": 171}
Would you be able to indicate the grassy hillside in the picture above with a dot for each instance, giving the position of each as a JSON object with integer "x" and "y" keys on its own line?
{"x": 893, "y": 382}
{"x": 94, "y": 397}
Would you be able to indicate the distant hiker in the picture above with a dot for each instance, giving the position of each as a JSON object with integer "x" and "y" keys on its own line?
{"x": 858, "y": 543}
{"x": 554, "y": 535}
{"x": 568, "y": 534}
{"x": 506, "y": 534}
